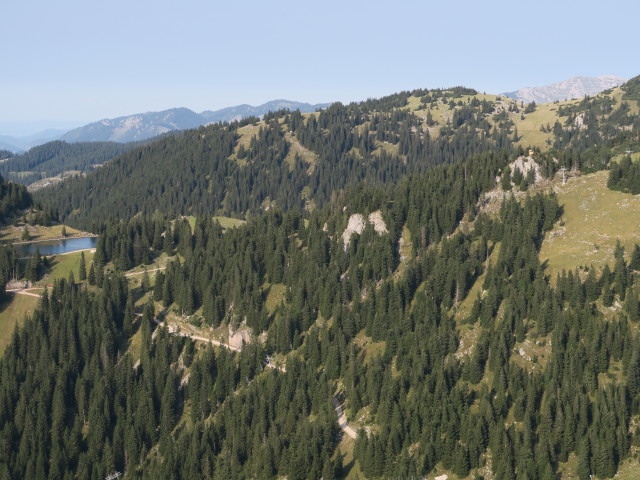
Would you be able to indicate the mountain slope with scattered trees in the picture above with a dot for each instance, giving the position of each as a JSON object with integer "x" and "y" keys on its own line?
{"x": 168, "y": 409}
{"x": 434, "y": 323}
{"x": 288, "y": 160}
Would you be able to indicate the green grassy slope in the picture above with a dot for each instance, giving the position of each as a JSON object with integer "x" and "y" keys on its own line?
{"x": 12, "y": 313}
{"x": 594, "y": 219}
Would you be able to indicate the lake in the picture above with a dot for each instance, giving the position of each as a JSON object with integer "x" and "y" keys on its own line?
{"x": 54, "y": 247}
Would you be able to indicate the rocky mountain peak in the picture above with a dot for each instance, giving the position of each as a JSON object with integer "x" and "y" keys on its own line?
{"x": 574, "y": 87}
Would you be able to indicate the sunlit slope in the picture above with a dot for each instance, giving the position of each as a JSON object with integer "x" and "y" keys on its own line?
{"x": 534, "y": 128}
{"x": 594, "y": 219}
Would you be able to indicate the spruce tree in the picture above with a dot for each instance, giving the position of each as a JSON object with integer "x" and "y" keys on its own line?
{"x": 83, "y": 268}
{"x": 92, "y": 274}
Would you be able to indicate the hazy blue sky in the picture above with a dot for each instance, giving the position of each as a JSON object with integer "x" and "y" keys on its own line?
{"x": 69, "y": 61}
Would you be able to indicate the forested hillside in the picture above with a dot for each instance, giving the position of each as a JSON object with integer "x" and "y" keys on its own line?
{"x": 290, "y": 160}
{"x": 13, "y": 198}
{"x": 57, "y": 157}
{"x": 389, "y": 269}
{"x": 286, "y": 161}
{"x": 358, "y": 322}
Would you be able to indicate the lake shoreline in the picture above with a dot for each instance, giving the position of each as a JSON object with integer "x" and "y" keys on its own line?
{"x": 55, "y": 239}
{"x": 74, "y": 251}
{"x": 50, "y": 247}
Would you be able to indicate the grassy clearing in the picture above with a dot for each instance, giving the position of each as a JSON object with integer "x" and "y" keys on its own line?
{"x": 594, "y": 218}
{"x": 246, "y": 134}
{"x": 62, "y": 265}
{"x": 37, "y": 232}
{"x": 529, "y": 128}
{"x": 225, "y": 222}
{"x": 532, "y": 355}
{"x": 390, "y": 148}
{"x": 350, "y": 467}
{"x": 405, "y": 248}
{"x": 413, "y": 104}
{"x": 135, "y": 345}
{"x": 143, "y": 300}
{"x": 617, "y": 96}
{"x": 371, "y": 349}
{"x": 464, "y": 309}
{"x": 296, "y": 148}
{"x": 567, "y": 469}
{"x": 12, "y": 313}
{"x": 275, "y": 297}
{"x": 469, "y": 333}
{"x": 635, "y": 157}
{"x": 630, "y": 468}
{"x": 228, "y": 222}
{"x": 162, "y": 261}
{"x": 614, "y": 375}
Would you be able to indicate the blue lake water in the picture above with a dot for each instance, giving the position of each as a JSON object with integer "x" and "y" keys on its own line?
{"x": 53, "y": 247}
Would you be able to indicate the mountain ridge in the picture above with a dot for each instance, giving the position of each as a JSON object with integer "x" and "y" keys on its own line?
{"x": 21, "y": 143}
{"x": 141, "y": 126}
{"x": 574, "y": 87}
{"x": 145, "y": 125}
{"x": 239, "y": 112}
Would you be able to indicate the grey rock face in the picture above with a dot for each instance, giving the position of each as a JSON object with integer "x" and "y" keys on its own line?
{"x": 575, "y": 87}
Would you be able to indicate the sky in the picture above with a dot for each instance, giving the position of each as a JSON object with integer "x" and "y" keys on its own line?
{"x": 65, "y": 63}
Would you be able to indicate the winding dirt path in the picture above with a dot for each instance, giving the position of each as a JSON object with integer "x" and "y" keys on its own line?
{"x": 192, "y": 336}
{"x": 142, "y": 272}
{"x": 342, "y": 419}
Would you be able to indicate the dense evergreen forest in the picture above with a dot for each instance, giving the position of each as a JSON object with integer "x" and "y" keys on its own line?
{"x": 289, "y": 162}
{"x": 537, "y": 371}
{"x": 90, "y": 408}
{"x": 57, "y": 157}
{"x": 13, "y": 198}
{"x": 625, "y": 176}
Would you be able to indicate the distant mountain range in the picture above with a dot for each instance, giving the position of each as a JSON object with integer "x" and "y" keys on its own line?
{"x": 575, "y": 87}
{"x": 141, "y": 126}
{"x": 19, "y": 144}
{"x": 135, "y": 127}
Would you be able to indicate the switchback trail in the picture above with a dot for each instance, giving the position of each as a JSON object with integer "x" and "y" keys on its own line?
{"x": 342, "y": 419}
{"x": 131, "y": 274}
{"x": 198, "y": 338}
